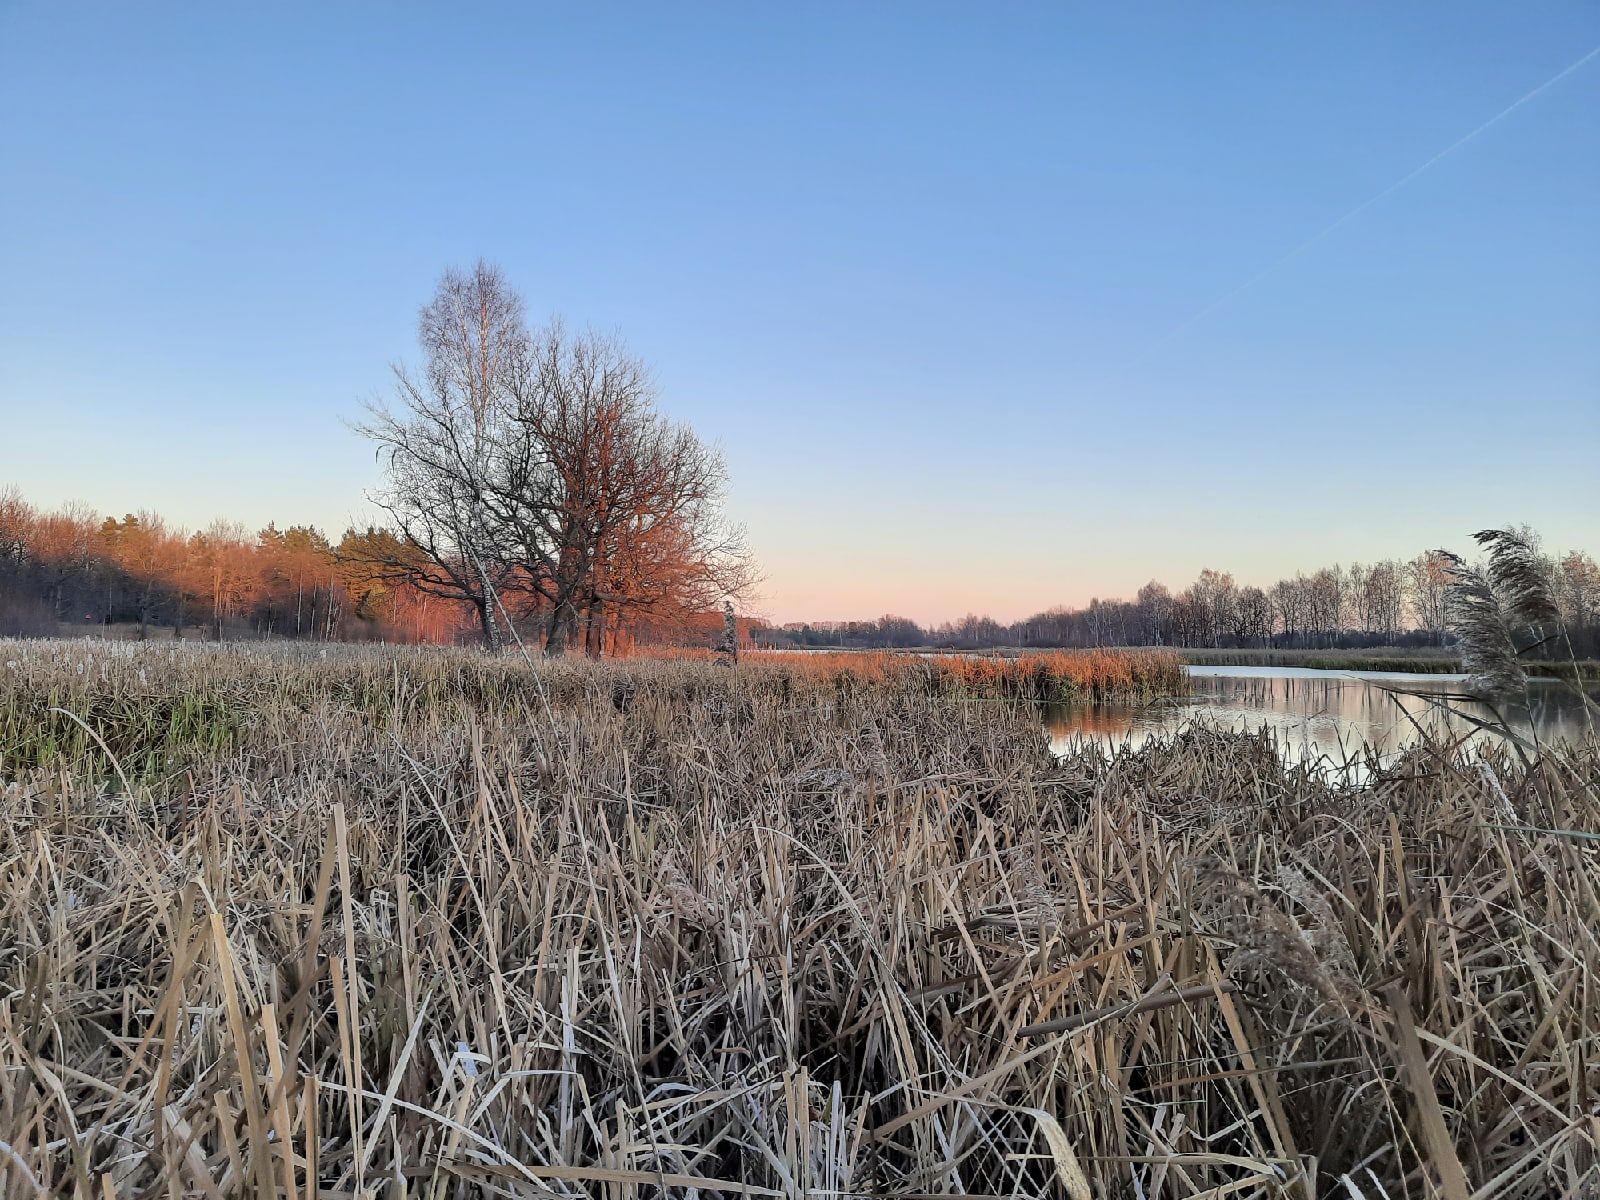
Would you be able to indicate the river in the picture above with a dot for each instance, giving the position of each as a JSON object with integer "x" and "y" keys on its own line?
{"x": 1321, "y": 714}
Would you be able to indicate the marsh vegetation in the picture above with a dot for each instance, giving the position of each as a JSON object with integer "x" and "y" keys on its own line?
{"x": 428, "y": 920}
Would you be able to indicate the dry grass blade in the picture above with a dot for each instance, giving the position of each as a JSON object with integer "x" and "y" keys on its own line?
{"x": 1435, "y": 1132}
{"x": 1073, "y": 1180}
{"x": 1143, "y": 1005}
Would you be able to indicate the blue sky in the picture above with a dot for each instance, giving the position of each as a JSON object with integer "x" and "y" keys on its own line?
{"x": 929, "y": 273}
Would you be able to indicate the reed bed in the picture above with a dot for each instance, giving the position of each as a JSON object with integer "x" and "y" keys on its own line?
{"x": 424, "y": 923}
{"x": 1045, "y": 677}
{"x": 155, "y": 708}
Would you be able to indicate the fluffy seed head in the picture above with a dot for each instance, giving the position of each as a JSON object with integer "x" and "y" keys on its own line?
{"x": 1517, "y": 572}
{"x": 1479, "y": 619}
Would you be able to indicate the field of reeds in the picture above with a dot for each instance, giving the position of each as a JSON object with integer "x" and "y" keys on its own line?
{"x": 273, "y": 923}
{"x": 1044, "y": 677}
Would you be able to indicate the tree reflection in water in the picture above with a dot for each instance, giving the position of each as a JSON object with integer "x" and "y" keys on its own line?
{"x": 1319, "y": 713}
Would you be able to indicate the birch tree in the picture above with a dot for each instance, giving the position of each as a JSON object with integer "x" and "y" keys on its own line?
{"x": 440, "y": 440}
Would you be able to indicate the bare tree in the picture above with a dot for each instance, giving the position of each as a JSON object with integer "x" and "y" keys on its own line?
{"x": 1252, "y": 616}
{"x": 1325, "y": 602}
{"x": 1155, "y": 612}
{"x": 1428, "y": 578}
{"x": 17, "y": 519}
{"x": 225, "y": 556}
{"x": 1578, "y": 586}
{"x": 64, "y": 545}
{"x": 1382, "y": 599}
{"x": 1289, "y": 603}
{"x": 440, "y": 446}
{"x": 614, "y": 509}
{"x": 533, "y": 471}
{"x": 1206, "y": 608}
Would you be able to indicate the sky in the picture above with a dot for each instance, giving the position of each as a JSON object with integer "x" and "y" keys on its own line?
{"x": 991, "y": 307}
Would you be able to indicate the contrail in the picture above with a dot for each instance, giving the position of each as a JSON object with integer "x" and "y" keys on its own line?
{"x": 1388, "y": 191}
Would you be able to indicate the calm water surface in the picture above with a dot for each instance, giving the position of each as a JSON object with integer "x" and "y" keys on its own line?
{"x": 1315, "y": 713}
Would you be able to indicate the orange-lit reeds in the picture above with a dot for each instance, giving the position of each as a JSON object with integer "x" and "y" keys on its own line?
{"x": 1056, "y": 676}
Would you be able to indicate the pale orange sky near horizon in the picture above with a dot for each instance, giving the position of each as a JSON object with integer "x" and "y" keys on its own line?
{"x": 809, "y": 578}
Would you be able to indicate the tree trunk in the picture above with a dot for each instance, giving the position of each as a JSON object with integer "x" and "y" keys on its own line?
{"x": 561, "y": 622}
{"x": 491, "y": 631}
{"x": 594, "y": 633}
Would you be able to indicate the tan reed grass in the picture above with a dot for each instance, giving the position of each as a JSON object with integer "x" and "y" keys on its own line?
{"x": 1046, "y": 677}
{"x": 706, "y": 932}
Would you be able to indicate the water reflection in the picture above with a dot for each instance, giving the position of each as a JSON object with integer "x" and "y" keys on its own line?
{"x": 1319, "y": 713}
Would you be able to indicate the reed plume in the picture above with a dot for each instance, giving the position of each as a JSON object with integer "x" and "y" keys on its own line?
{"x": 1482, "y": 625}
{"x": 1517, "y": 571}
{"x": 1490, "y": 605}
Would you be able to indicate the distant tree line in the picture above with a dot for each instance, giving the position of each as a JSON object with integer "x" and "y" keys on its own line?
{"x": 73, "y": 571}
{"x": 70, "y": 569}
{"x": 1362, "y": 605}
